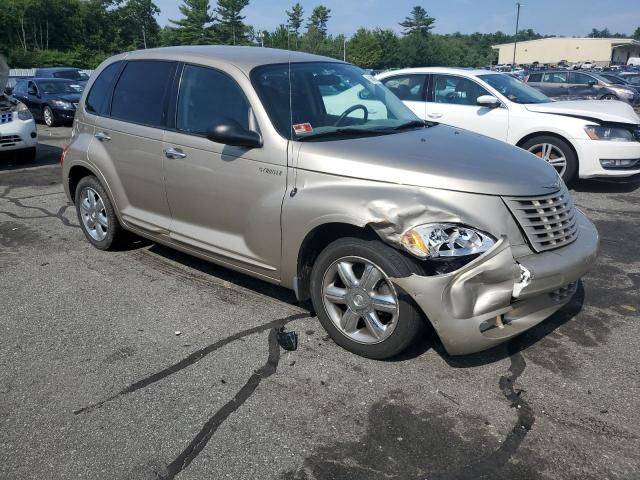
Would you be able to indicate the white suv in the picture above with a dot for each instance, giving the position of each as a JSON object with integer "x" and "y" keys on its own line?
{"x": 17, "y": 127}
{"x": 583, "y": 139}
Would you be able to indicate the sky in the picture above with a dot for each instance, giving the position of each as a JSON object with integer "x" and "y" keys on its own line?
{"x": 552, "y": 17}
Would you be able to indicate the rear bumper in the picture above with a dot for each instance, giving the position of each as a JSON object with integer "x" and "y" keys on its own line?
{"x": 463, "y": 305}
{"x": 590, "y": 152}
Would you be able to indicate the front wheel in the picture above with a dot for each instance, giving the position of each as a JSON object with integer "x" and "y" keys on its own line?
{"x": 357, "y": 303}
{"x": 557, "y": 153}
{"x": 609, "y": 97}
{"x": 48, "y": 117}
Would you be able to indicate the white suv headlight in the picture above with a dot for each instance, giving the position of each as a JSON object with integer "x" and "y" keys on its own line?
{"x": 436, "y": 240}
{"x": 23, "y": 112}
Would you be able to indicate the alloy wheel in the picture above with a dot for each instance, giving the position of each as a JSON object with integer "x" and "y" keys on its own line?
{"x": 552, "y": 155}
{"x": 48, "y": 116}
{"x": 360, "y": 300}
{"x": 93, "y": 214}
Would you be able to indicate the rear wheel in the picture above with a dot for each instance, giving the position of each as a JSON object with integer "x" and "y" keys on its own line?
{"x": 97, "y": 216}
{"x": 557, "y": 153}
{"x": 358, "y": 304}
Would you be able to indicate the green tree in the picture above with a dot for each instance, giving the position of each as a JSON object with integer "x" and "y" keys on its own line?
{"x": 319, "y": 19}
{"x": 196, "y": 26}
{"x": 231, "y": 28}
{"x": 137, "y": 26}
{"x": 418, "y": 22}
{"x": 295, "y": 18}
{"x": 364, "y": 49}
{"x": 279, "y": 38}
{"x": 636, "y": 34}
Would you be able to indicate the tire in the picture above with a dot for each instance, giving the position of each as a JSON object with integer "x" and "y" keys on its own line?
{"x": 537, "y": 145}
{"x": 102, "y": 237}
{"x": 48, "y": 117}
{"x": 28, "y": 155}
{"x": 401, "y": 328}
{"x": 609, "y": 96}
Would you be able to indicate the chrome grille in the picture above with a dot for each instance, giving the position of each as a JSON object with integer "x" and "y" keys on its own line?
{"x": 548, "y": 221}
{"x": 6, "y": 117}
{"x": 9, "y": 140}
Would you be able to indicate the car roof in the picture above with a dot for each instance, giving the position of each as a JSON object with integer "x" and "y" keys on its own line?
{"x": 471, "y": 72}
{"x": 55, "y": 69}
{"x": 245, "y": 58}
{"x": 49, "y": 80}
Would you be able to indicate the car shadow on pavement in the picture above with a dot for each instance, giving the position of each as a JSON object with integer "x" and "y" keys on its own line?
{"x": 45, "y": 155}
{"x": 607, "y": 186}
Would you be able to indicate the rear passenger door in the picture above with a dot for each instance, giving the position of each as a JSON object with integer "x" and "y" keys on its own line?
{"x": 555, "y": 85}
{"x": 409, "y": 88}
{"x": 225, "y": 200}
{"x": 127, "y": 143}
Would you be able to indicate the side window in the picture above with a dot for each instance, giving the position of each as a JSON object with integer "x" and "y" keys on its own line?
{"x": 555, "y": 78}
{"x": 139, "y": 93}
{"x": 456, "y": 90}
{"x": 98, "y": 98}
{"x": 31, "y": 88}
{"x": 208, "y": 96}
{"x": 535, "y": 77}
{"x": 407, "y": 87}
{"x": 582, "y": 79}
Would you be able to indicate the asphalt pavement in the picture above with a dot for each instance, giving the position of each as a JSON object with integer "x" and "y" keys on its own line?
{"x": 146, "y": 364}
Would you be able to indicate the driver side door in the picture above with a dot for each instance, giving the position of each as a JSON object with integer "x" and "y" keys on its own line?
{"x": 452, "y": 100}
{"x": 224, "y": 200}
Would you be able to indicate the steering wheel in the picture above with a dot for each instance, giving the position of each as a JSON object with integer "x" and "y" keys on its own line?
{"x": 352, "y": 109}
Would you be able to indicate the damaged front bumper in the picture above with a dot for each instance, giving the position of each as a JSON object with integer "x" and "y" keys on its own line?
{"x": 474, "y": 308}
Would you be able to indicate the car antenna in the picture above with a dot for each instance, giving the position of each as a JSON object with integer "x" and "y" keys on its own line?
{"x": 294, "y": 190}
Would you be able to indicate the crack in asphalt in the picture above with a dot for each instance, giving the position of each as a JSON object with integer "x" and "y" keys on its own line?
{"x": 45, "y": 213}
{"x": 191, "y": 359}
{"x": 192, "y": 450}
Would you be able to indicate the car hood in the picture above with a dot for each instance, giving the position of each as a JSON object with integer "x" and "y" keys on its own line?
{"x": 437, "y": 157}
{"x": 598, "y": 110}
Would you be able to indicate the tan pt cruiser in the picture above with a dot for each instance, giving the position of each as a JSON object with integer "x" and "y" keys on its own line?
{"x": 306, "y": 172}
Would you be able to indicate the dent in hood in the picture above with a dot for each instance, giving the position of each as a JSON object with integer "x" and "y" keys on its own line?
{"x": 596, "y": 110}
{"x": 437, "y": 157}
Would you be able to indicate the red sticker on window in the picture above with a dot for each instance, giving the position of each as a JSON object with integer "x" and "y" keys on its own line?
{"x": 302, "y": 128}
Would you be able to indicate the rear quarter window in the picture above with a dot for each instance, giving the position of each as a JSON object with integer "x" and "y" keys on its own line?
{"x": 98, "y": 98}
{"x": 535, "y": 77}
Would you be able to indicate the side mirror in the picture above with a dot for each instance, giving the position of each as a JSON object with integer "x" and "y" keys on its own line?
{"x": 592, "y": 83}
{"x": 488, "y": 101}
{"x": 8, "y": 90}
{"x": 230, "y": 132}
{"x": 32, "y": 91}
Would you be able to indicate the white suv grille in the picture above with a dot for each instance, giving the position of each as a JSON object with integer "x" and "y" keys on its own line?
{"x": 6, "y": 117}
{"x": 548, "y": 221}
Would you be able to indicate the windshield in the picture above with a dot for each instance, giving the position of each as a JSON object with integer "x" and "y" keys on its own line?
{"x": 515, "y": 90}
{"x": 613, "y": 79}
{"x": 633, "y": 79}
{"x": 71, "y": 75}
{"x": 329, "y": 100}
{"x": 54, "y": 88}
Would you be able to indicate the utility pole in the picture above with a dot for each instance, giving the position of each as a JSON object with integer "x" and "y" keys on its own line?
{"x": 344, "y": 50}
{"x": 515, "y": 43}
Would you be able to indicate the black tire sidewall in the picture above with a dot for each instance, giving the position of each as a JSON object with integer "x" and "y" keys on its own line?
{"x": 394, "y": 264}
{"x": 571, "y": 172}
{"x": 114, "y": 229}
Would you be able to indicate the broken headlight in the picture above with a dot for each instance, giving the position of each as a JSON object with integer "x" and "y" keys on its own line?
{"x": 437, "y": 240}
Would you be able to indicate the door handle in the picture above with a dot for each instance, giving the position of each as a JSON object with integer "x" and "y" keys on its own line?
{"x": 102, "y": 136}
{"x": 174, "y": 153}
{"x": 434, "y": 115}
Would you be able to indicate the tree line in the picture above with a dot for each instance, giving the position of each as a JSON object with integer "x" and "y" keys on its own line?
{"x": 82, "y": 33}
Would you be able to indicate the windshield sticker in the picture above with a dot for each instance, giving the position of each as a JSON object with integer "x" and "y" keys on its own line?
{"x": 372, "y": 80}
{"x": 302, "y": 128}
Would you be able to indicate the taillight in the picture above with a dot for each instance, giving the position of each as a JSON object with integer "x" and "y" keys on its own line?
{"x": 64, "y": 153}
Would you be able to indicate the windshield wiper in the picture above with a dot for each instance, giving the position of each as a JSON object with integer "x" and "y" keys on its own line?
{"x": 413, "y": 124}
{"x": 342, "y": 133}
